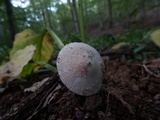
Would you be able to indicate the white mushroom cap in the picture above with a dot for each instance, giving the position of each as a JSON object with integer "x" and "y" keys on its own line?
{"x": 80, "y": 68}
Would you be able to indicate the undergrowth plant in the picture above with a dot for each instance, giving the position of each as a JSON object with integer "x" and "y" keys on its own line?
{"x": 4, "y": 53}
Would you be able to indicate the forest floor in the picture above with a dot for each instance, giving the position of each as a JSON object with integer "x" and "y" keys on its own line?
{"x": 121, "y": 27}
{"x": 130, "y": 91}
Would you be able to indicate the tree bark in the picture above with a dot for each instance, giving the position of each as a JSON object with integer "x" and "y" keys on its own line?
{"x": 50, "y": 17}
{"x": 110, "y": 17}
{"x": 142, "y": 5}
{"x": 43, "y": 14}
{"x": 81, "y": 20}
{"x": 100, "y": 14}
{"x": 34, "y": 9}
{"x": 72, "y": 4}
{"x": 11, "y": 20}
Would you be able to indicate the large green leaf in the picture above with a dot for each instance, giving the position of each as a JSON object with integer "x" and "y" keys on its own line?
{"x": 28, "y": 69}
{"x": 43, "y": 43}
{"x": 155, "y": 36}
{"x": 22, "y": 40}
{"x": 44, "y": 48}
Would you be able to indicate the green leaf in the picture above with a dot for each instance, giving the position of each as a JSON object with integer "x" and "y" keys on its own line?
{"x": 138, "y": 49}
{"x": 43, "y": 43}
{"x": 56, "y": 38}
{"x": 18, "y": 60}
{"x": 155, "y": 36}
{"x": 22, "y": 40}
{"x": 48, "y": 66}
{"x": 28, "y": 69}
{"x": 44, "y": 47}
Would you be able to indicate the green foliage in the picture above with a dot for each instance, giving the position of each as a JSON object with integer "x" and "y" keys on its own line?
{"x": 43, "y": 43}
{"x": 28, "y": 45}
{"x": 17, "y": 61}
{"x": 73, "y": 38}
{"x": 47, "y": 66}
{"x": 104, "y": 41}
{"x": 138, "y": 49}
{"x": 133, "y": 37}
{"x": 143, "y": 47}
{"x": 4, "y": 53}
{"x": 28, "y": 69}
{"x": 57, "y": 15}
{"x": 56, "y": 38}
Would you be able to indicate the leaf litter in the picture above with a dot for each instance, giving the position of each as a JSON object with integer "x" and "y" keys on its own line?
{"x": 129, "y": 92}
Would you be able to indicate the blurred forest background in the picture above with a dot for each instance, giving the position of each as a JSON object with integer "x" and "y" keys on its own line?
{"x": 126, "y": 33}
{"x": 101, "y": 18}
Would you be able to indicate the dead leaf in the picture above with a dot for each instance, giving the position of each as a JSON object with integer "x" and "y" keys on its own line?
{"x": 155, "y": 36}
{"x": 118, "y": 45}
{"x": 36, "y": 86}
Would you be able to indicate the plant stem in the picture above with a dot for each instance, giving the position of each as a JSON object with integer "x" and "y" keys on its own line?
{"x": 56, "y": 38}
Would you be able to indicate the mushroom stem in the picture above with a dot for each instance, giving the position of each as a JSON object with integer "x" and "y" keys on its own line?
{"x": 56, "y": 38}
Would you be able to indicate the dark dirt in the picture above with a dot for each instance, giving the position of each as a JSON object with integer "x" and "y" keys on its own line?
{"x": 131, "y": 91}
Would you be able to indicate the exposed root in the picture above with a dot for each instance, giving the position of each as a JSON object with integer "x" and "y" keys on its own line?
{"x": 120, "y": 98}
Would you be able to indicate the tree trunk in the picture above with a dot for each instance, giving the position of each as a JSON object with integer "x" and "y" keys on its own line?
{"x": 34, "y": 9}
{"x": 100, "y": 14}
{"x": 109, "y": 10}
{"x": 81, "y": 20}
{"x": 86, "y": 13}
{"x": 157, "y": 2}
{"x": 143, "y": 7}
{"x": 43, "y": 14}
{"x": 50, "y": 15}
{"x": 11, "y": 21}
{"x": 72, "y": 4}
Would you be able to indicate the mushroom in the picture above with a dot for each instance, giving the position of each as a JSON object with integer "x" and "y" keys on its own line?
{"x": 80, "y": 68}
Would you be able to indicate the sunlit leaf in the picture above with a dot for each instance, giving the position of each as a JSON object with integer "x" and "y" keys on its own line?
{"x": 43, "y": 43}
{"x": 155, "y": 36}
{"x": 27, "y": 46}
{"x": 22, "y": 40}
{"x": 44, "y": 48}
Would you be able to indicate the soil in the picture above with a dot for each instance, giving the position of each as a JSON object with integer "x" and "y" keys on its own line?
{"x": 130, "y": 91}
